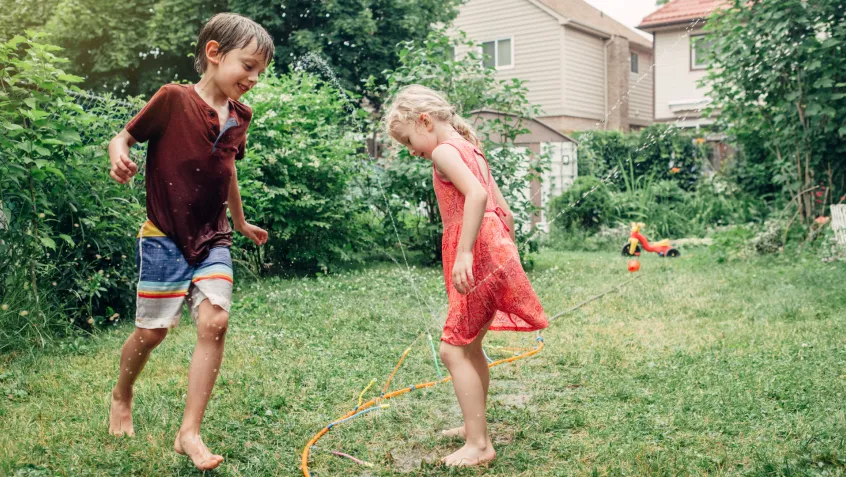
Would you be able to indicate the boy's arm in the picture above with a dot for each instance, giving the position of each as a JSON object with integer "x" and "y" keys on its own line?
{"x": 122, "y": 167}
{"x": 236, "y": 209}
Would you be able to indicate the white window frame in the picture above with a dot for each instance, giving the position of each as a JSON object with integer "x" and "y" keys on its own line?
{"x": 496, "y": 52}
{"x": 634, "y": 66}
{"x": 693, "y": 65}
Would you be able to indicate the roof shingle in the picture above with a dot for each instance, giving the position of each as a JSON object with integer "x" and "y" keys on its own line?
{"x": 586, "y": 14}
{"x": 681, "y": 11}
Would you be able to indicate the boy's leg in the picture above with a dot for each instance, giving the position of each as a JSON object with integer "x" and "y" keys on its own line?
{"x": 470, "y": 389}
{"x": 209, "y": 299}
{"x": 212, "y": 324}
{"x": 133, "y": 357}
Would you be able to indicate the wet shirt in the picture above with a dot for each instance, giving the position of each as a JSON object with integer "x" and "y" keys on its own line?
{"x": 190, "y": 164}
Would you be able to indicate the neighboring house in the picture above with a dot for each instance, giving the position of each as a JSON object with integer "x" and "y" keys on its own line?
{"x": 584, "y": 69}
{"x": 681, "y": 58}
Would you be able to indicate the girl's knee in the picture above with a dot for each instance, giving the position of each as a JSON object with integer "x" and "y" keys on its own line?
{"x": 450, "y": 354}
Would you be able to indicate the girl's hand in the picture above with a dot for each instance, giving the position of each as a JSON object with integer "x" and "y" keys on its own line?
{"x": 462, "y": 273}
{"x": 257, "y": 234}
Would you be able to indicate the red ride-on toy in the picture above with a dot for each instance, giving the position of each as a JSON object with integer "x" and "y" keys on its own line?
{"x": 637, "y": 240}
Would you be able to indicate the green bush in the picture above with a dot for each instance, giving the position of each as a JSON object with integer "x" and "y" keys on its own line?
{"x": 302, "y": 178}
{"x": 67, "y": 247}
{"x": 661, "y": 151}
{"x": 585, "y": 206}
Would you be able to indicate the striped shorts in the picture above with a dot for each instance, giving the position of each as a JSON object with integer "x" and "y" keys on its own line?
{"x": 166, "y": 280}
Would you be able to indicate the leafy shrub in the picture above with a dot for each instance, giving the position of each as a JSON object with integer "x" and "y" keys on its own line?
{"x": 586, "y": 206}
{"x": 66, "y": 250}
{"x": 302, "y": 178}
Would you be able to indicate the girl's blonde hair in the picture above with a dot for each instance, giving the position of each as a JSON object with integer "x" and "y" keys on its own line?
{"x": 412, "y": 101}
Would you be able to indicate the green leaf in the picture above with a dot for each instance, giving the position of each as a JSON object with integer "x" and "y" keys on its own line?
{"x": 31, "y": 103}
{"x": 69, "y": 137}
{"x": 12, "y": 127}
{"x": 67, "y": 239}
{"x": 55, "y": 171}
{"x": 48, "y": 242}
{"x": 42, "y": 151}
{"x": 71, "y": 78}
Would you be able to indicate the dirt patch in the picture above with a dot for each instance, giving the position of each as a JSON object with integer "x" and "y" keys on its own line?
{"x": 518, "y": 400}
{"x": 409, "y": 460}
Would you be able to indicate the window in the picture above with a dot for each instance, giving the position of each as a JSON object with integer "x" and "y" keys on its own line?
{"x": 700, "y": 51}
{"x": 635, "y": 63}
{"x": 498, "y": 54}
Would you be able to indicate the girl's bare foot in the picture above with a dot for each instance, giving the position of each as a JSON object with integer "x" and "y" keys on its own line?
{"x": 470, "y": 455}
{"x": 193, "y": 447}
{"x": 455, "y": 432}
{"x": 120, "y": 417}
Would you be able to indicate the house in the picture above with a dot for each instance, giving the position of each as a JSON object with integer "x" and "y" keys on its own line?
{"x": 583, "y": 68}
{"x": 681, "y": 58}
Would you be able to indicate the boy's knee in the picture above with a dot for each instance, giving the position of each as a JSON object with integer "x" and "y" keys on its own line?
{"x": 150, "y": 338}
{"x": 214, "y": 322}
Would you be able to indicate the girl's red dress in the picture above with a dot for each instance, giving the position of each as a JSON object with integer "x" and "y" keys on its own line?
{"x": 502, "y": 290}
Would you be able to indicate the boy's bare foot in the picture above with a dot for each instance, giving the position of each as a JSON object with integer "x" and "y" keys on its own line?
{"x": 120, "y": 417}
{"x": 470, "y": 455}
{"x": 193, "y": 447}
{"x": 455, "y": 432}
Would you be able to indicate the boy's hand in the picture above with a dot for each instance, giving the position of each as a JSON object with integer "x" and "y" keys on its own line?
{"x": 123, "y": 169}
{"x": 257, "y": 234}
{"x": 462, "y": 273}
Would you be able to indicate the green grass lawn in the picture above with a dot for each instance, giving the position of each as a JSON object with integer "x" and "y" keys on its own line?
{"x": 697, "y": 368}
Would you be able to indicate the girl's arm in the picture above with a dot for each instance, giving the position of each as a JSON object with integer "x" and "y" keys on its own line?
{"x": 449, "y": 162}
{"x": 509, "y": 217}
{"x": 236, "y": 209}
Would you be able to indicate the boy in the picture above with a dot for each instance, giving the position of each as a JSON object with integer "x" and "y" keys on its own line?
{"x": 196, "y": 132}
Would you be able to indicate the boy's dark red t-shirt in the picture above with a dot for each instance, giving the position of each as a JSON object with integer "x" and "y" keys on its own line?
{"x": 190, "y": 166}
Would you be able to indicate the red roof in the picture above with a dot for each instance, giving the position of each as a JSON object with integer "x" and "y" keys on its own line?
{"x": 681, "y": 11}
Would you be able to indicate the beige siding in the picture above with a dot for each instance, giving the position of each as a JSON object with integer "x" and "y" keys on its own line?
{"x": 674, "y": 80}
{"x": 640, "y": 90}
{"x": 536, "y": 37}
{"x": 584, "y": 81}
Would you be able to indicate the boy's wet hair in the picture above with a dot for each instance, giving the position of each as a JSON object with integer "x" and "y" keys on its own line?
{"x": 232, "y": 31}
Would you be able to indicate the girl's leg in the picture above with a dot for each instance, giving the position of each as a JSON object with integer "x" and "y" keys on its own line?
{"x": 477, "y": 356}
{"x": 133, "y": 357}
{"x": 470, "y": 388}
{"x": 212, "y": 324}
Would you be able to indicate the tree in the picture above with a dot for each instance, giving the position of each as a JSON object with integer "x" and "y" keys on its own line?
{"x": 778, "y": 77}
{"x": 358, "y": 37}
{"x": 661, "y": 2}
{"x": 134, "y": 47}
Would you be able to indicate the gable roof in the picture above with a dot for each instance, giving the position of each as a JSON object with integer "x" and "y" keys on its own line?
{"x": 583, "y": 14}
{"x": 680, "y": 11}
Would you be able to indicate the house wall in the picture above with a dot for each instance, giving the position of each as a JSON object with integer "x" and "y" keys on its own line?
{"x": 584, "y": 75}
{"x": 675, "y": 81}
{"x": 536, "y": 39}
{"x": 641, "y": 108}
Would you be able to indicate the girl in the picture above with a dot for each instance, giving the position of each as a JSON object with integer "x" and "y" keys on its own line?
{"x": 486, "y": 285}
